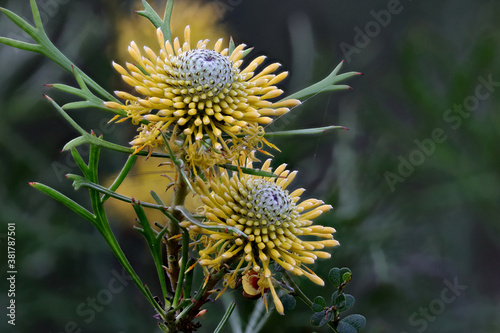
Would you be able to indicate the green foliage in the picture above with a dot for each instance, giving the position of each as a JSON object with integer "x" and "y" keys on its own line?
{"x": 319, "y": 303}
{"x": 346, "y": 304}
{"x": 329, "y": 83}
{"x": 341, "y": 302}
{"x": 288, "y": 301}
{"x": 351, "y": 324}
{"x": 164, "y": 24}
{"x": 337, "y": 276}
{"x": 321, "y": 318}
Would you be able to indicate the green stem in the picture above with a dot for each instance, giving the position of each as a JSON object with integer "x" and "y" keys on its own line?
{"x": 110, "y": 238}
{"x": 185, "y": 253}
{"x": 189, "y": 278}
{"x": 201, "y": 296}
{"x": 105, "y": 229}
{"x": 298, "y": 291}
{"x": 180, "y": 193}
{"x": 154, "y": 243}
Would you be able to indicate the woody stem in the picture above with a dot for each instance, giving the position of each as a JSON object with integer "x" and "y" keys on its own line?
{"x": 173, "y": 245}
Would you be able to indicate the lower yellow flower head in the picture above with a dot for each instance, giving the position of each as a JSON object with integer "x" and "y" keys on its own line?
{"x": 272, "y": 219}
{"x": 210, "y": 109}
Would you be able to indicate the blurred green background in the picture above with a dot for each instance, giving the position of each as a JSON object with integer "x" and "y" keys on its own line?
{"x": 415, "y": 212}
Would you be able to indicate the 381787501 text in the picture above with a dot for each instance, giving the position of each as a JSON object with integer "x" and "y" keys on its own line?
{"x": 11, "y": 273}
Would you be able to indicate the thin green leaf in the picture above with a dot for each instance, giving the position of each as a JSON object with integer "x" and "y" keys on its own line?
{"x": 157, "y": 198}
{"x": 225, "y": 318}
{"x": 79, "y": 181}
{"x": 90, "y": 100}
{"x": 68, "y": 89}
{"x": 36, "y": 15}
{"x": 258, "y": 317}
{"x": 77, "y": 105}
{"x": 47, "y": 48}
{"x": 66, "y": 201}
{"x": 232, "y": 46}
{"x": 94, "y": 140}
{"x": 150, "y": 14}
{"x": 20, "y": 22}
{"x": 147, "y": 231}
{"x": 67, "y": 117}
{"x": 246, "y": 52}
{"x": 87, "y": 138}
{"x": 154, "y": 246}
{"x": 307, "y": 131}
{"x": 80, "y": 80}
{"x": 20, "y": 45}
{"x": 153, "y": 17}
{"x": 327, "y": 84}
{"x": 78, "y": 141}
{"x": 79, "y": 161}
{"x": 189, "y": 277}
{"x": 167, "y": 15}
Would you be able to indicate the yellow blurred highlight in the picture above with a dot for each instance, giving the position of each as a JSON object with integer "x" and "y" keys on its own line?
{"x": 146, "y": 175}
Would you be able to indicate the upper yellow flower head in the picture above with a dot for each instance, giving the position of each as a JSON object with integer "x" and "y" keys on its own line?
{"x": 208, "y": 107}
{"x": 271, "y": 217}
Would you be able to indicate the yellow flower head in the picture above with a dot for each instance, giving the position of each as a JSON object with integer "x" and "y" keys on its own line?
{"x": 209, "y": 107}
{"x": 271, "y": 217}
